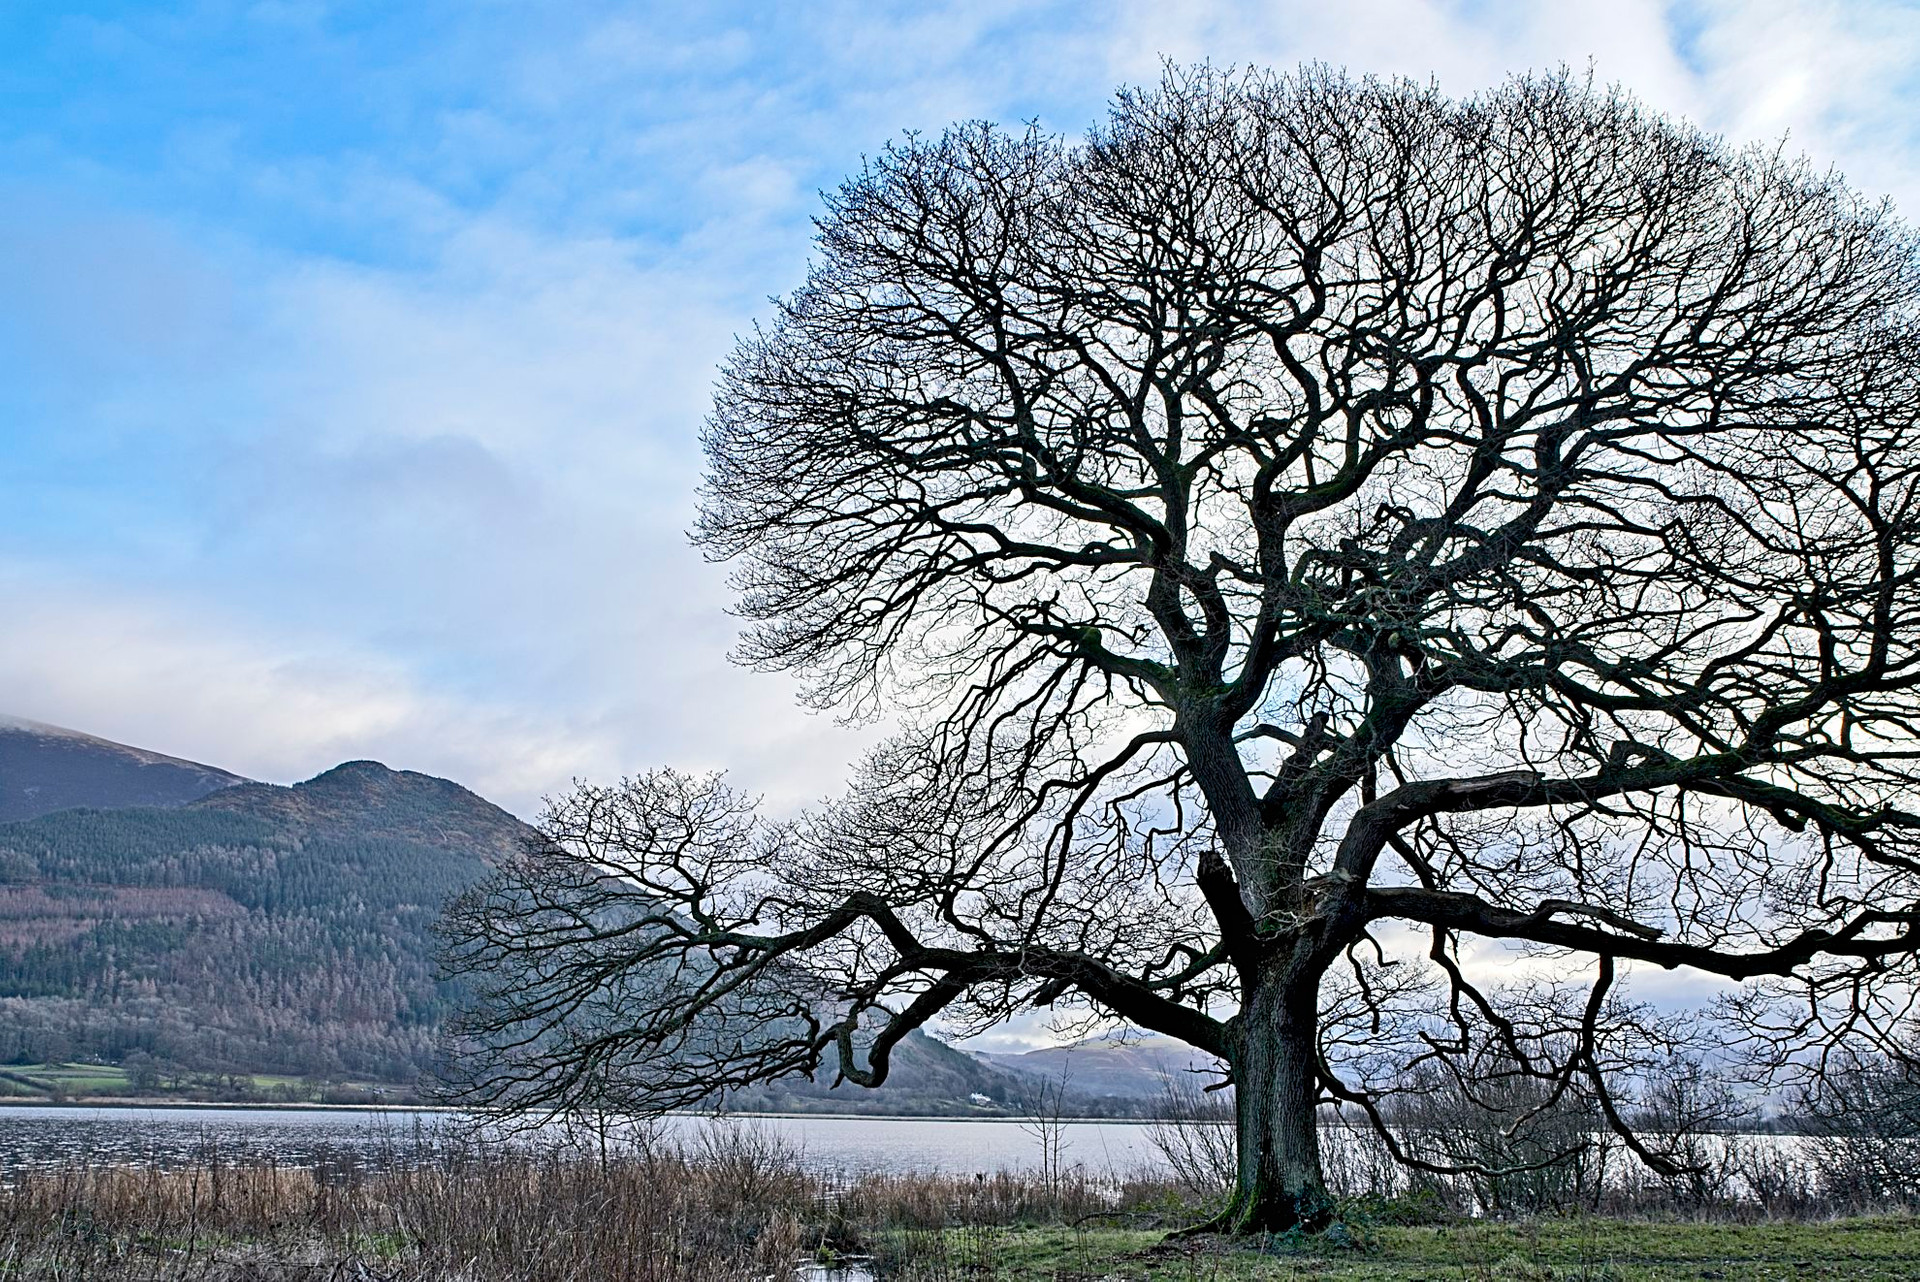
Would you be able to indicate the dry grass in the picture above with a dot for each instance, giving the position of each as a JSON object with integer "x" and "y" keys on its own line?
{"x": 468, "y": 1214}
{"x": 737, "y": 1204}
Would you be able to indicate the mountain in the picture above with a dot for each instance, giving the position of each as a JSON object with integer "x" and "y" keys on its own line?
{"x": 1131, "y": 1073}
{"x": 925, "y": 1077}
{"x": 255, "y": 930}
{"x": 250, "y": 931}
{"x": 46, "y": 768}
{"x": 357, "y": 798}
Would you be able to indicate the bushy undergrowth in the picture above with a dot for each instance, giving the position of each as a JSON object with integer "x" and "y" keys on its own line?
{"x": 1736, "y": 1178}
{"x": 1512, "y": 1148}
{"x": 733, "y": 1204}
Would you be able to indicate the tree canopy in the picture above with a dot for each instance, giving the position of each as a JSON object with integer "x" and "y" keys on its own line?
{"x": 1301, "y": 516}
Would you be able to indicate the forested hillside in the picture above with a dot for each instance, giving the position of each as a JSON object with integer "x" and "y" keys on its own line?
{"x": 259, "y": 930}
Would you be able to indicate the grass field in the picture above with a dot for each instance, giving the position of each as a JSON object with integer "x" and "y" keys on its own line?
{"x": 81, "y": 1082}
{"x": 1578, "y": 1250}
{"x": 68, "y": 1079}
{"x": 736, "y": 1206}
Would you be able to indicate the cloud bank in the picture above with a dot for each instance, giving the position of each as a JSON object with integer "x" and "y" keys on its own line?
{"x": 354, "y": 362}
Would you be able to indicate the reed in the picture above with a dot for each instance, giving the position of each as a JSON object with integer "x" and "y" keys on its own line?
{"x": 733, "y": 1204}
{"x": 475, "y": 1213}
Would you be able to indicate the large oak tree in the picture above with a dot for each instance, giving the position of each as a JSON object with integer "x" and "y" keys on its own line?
{"x": 1302, "y": 514}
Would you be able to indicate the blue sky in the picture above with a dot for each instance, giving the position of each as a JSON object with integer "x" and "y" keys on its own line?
{"x": 352, "y": 354}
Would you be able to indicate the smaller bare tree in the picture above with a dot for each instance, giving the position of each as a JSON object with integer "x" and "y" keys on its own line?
{"x": 1046, "y": 1122}
{"x": 1863, "y": 1119}
{"x": 1192, "y": 1129}
{"x": 1691, "y": 1110}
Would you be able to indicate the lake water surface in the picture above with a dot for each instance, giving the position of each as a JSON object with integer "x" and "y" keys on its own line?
{"x": 342, "y": 1139}
{"x": 336, "y": 1141}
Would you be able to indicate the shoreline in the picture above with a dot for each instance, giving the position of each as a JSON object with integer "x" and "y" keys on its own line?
{"x": 279, "y": 1106}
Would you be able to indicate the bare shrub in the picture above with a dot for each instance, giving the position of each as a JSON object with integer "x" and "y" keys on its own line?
{"x": 1773, "y": 1177}
{"x": 1863, "y": 1131}
{"x": 1686, "y": 1113}
{"x": 1360, "y": 1166}
{"x": 1193, "y": 1130}
{"x": 1525, "y": 1144}
{"x": 741, "y": 1164}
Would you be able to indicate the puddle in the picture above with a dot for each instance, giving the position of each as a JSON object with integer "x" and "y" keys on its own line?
{"x": 850, "y": 1269}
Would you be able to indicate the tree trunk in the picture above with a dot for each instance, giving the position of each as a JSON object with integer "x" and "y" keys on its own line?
{"x": 1279, "y": 1185}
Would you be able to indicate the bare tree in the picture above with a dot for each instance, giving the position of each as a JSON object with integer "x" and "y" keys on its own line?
{"x": 1862, "y": 1120}
{"x": 1301, "y": 516}
{"x": 1192, "y": 1129}
{"x": 1046, "y": 1122}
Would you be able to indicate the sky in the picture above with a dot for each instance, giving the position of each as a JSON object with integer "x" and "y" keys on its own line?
{"x": 353, "y": 355}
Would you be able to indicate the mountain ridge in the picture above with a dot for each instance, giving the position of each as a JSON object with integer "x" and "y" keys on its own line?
{"x": 1133, "y": 1070}
{"x": 258, "y": 929}
{"x": 45, "y": 768}
{"x": 356, "y": 794}
{"x": 261, "y": 931}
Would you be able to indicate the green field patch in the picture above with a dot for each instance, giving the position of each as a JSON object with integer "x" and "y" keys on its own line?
{"x": 1575, "y": 1250}
{"x": 105, "y": 1081}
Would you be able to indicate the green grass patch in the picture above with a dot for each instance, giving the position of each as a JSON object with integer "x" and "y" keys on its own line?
{"x": 69, "y": 1079}
{"x": 1573, "y": 1250}
{"x": 107, "y": 1081}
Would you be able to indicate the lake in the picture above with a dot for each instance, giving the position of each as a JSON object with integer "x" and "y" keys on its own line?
{"x": 342, "y": 1139}
{"x": 337, "y": 1141}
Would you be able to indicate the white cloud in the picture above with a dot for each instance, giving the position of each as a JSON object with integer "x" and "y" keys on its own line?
{"x": 1836, "y": 80}
{"x": 195, "y": 683}
{"x": 428, "y": 499}
{"x": 144, "y": 672}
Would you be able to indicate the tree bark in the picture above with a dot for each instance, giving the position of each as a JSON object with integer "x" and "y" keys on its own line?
{"x": 1279, "y": 1184}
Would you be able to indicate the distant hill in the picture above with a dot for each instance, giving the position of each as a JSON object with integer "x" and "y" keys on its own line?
{"x": 45, "y": 768}
{"x": 256, "y": 930}
{"x": 925, "y": 1076}
{"x": 357, "y": 798}
{"x": 1134, "y": 1072}
{"x": 250, "y": 931}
